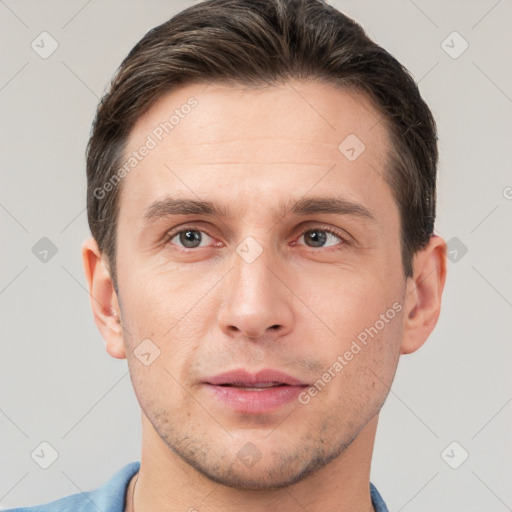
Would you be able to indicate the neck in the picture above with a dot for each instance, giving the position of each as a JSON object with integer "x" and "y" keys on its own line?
{"x": 165, "y": 482}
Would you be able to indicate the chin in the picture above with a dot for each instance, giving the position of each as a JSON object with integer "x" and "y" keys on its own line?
{"x": 268, "y": 472}
{"x": 248, "y": 479}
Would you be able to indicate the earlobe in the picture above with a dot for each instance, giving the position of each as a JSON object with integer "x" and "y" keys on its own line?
{"x": 424, "y": 292}
{"x": 104, "y": 303}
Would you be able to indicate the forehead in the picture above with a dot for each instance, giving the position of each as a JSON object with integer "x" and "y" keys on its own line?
{"x": 224, "y": 140}
{"x": 315, "y": 112}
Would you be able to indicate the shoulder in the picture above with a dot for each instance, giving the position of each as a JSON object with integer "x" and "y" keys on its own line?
{"x": 110, "y": 496}
{"x": 378, "y": 503}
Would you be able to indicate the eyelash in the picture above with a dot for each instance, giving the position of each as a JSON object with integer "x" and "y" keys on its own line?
{"x": 343, "y": 238}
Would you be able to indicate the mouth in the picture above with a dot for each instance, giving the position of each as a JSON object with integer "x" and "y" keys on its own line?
{"x": 266, "y": 378}
{"x": 261, "y": 393}
{"x": 258, "y": 386}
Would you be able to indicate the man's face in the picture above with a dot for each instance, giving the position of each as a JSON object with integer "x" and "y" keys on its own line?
{"x": 264, "y": 285}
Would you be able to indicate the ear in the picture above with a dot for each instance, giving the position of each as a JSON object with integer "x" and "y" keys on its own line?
{"x": 424, "y": 291}
{"x": 105, "y": 306}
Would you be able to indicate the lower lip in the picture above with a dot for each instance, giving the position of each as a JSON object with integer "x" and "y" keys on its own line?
{"x": 255, "y": 402}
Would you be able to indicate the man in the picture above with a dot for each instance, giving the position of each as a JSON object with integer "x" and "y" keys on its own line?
{"x": 261, "y": 195}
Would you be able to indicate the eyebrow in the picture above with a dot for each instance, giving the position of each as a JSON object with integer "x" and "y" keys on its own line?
{"x": 332, "y": 205}
{"x": 170, "y": 206}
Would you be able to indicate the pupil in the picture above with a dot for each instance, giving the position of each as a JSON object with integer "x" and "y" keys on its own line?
{"x": 189, "y": 238}
{"x": 317, "y": 237}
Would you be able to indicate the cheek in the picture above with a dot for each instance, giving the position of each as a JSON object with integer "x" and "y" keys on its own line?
{"x": 158, "y": 299}
{"x": 158, "y": 390}
{"x": 346, "y": 302}
{"x": 367, "y": 328}
{"x": 365, "y": 370}
{"x": 166, "y": 316}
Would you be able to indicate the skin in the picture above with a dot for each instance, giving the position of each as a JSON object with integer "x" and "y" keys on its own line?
{"x": 209, "y": 311}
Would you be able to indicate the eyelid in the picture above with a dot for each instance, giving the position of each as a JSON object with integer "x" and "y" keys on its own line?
{"x": 345, "y": 238}
{"x": 170, "y": 234}
{"x": 301, "y": 230}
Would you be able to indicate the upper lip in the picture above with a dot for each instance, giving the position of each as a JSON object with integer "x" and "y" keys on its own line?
{"x": 242, "y": 377}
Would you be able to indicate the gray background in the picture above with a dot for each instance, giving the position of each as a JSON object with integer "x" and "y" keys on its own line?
{"x": 58, "y": 384}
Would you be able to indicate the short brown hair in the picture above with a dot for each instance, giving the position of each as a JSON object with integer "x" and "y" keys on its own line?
{"x": 256, "y": 42}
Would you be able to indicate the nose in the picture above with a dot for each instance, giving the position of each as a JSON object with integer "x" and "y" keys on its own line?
{"x": 257, "y": 302}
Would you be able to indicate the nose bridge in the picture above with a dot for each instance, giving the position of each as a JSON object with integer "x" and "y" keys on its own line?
{"x": 255, "y": 301}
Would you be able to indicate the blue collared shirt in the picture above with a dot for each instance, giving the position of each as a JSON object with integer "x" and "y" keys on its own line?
{"x": 111, "y": 497}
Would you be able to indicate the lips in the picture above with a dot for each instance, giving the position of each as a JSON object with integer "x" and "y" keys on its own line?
{"x": 262, "y": 379}
{"x": 261, "y": 393}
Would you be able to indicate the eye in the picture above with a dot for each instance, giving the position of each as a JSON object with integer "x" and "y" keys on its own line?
{"x": 188, "y": 238}
{"x": 317, "y": 237}
{"x": 320, "y": 236}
